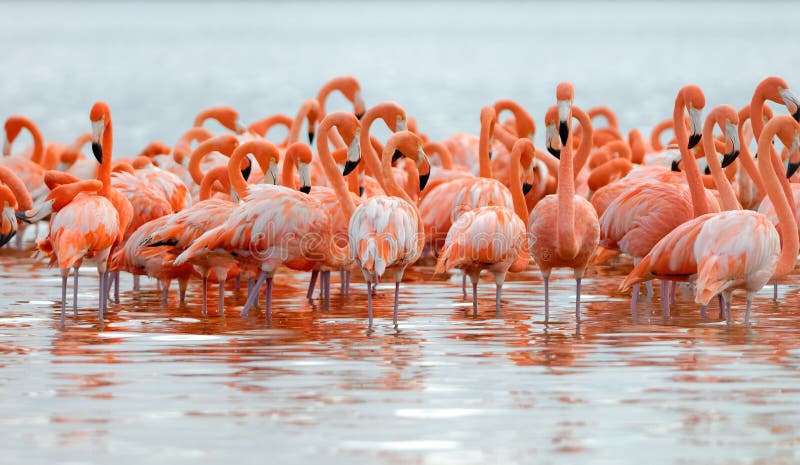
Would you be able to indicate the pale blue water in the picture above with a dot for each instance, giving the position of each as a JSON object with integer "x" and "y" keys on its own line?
{"x": 165, "y": 385}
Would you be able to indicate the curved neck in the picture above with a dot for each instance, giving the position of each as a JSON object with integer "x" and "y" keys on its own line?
{"x": 515, "y": 185}
{"x": 17, "y": 187}
{"x": 505, "y": 136}
{"x": 612, "y": 169}
{"x": 636, "y": 144}
{"x": 38, "y": 142}
{"x": 445, "y": 157}
{"x": 335, "y": 179}
{"x": 786, "y": 220}
{"x": 262, "y": 126}
{"x": 104, "y": 171}
{"x": 235, "y": 176}
{"x": 587, "y": 136}
{"x": 606, "y": 113}
{"x": 297, "y": 123}
{"x": 218, "y": 174}
{"x": 693, "y": 176}
{"x": 565, "y": 216}
{"x": 288, "y": 169}
{"x": 746, "y": 158}
{"x": 484, "y": 146}
{"x": 726, "y": 193}
{"x": 388, "y": 178}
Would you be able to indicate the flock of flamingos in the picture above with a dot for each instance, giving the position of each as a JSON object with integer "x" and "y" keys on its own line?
{"x": 220, "y": 207}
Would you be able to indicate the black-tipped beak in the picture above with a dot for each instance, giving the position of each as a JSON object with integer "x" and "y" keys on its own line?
{"x": 21, "y": 216}
{"x": 796, "y": 115}
{"x": 694, "y": 139}
{"x": 360, "y": 191}
{"x": 491, "y": 153}
{"x": 554, "y": 152}
{"x": 349, "y": 167}
{"x": 563, "y": 132}
{"x": 310, "y": 137}
{"x": 676, "y": 166}
{"x": 707, "y": 170}
{"x": 729, "y": 158}
{"x": 526, "y": 188}
{"x": 396, "y": 156}
{"x": 305, "y": 189}
{"x": 360, "y": 115}
{"x": 246, "y": 171}
{"x": 423, "y": 180}
{"x": 791, "y": 169}
{"x": 97, "y": 150}
{"x": 4, "y": 238}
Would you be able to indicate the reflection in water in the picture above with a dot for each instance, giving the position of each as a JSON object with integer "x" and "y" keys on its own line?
{"x": 445, "y": 387}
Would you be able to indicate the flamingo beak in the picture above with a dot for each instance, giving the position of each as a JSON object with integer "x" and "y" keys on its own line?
{"x": 360, "y": 191}
{"x": 247, "y": 170}
{"x": 402, "y": 124}
{"x": 397, "y": 155}
{"x": 4, "y": 238}
{"x": 550, "y": 138}
{"x": 359, "y": 108}
{"x": 732, "y": 134}
{"x": 791, "y": 169}
{"x": 564, "y": 110}
{"x": 310, "y": 137}
{"x": 305, "y": 177}
{"x": 6, "y": 148}
{"x": 424, "y": 166}
{"x": 526, "y": 187}
{"x": 695, "y": 118}
{"x": 791, "y": 102}
{"x": 239, "y": 127}
{"x": 97, "y": 135}
{"x": 676, "y": 166}
{"x": 353, "y": 155}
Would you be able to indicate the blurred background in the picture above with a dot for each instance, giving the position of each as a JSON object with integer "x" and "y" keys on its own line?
{"x": 158, "y": 64}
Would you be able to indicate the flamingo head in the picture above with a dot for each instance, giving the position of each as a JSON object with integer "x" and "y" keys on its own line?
{"x": 349, "y": 128}
{"x": 225, "y": 115}
{"x": 552, "y": 143}
{"x": 302, "y": 155}
{"x": 695, "y": 101}
{"x": 409, "y": 145}
{"x": 526, "y": 151}
{"x": 8, "y": 220}
{"x": 565, "y": 93}
{"x": 312, "y": 115}
{"x": 488, "y": 122}
{"x": 100, "y": 116}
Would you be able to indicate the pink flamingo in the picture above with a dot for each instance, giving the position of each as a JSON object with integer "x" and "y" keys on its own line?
{"x": 563, "y": 230}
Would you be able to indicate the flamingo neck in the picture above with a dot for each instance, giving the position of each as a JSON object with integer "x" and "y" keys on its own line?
{"x": 603, "y": 174}
{"x": 726, "y": 193}
{"x": 565, "y": 215}
{"x": 693, "y": 175}
{"x": 746, "y": 158}
{"x": 637, "y": 146}
{"x": 17, "y": 187}
{"x": 104, "y": 171}
{"x": 388, "y": 179}
{"x": 368, "y": 154}
{"x": 445, "y": 157}
{"x": 235, "y": 176}
{"x": 587, "y": 137}
{"x": 297, "y": 123}
{"x": 786, "y": 220}
{"x": 219, "y": 175}
{"x": 484, "y": 145}
{"x": 335, "y": 179}
{"x": 515, "y": 185}
{"x": 287, "y": 171}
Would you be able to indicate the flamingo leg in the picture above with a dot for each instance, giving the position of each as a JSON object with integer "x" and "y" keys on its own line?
{"x": 664, "y": 298}
{"x": 205, "y": 295}
{"x": 135, "y": 282}
{"x": 237, "y": 283}
{"x": 341, "y": 280}
{"x": 730, "y": 316}
{"x": 326, "y": 276}
{"x": 165, "y": 291}
{"x": 253, "y": 295}
{"x": 635, "y": 297}
{"x": 497, "y": 295}
{"x": 775, "y": 290}
{"x": 474, "y": 296}
{"x": 578, "y": 300}
{"x": 673, "y": 287}
{"x": 347, "y": 283}
{"x": 369, "y": 302}
{"x": 269, "y": 300}
{"x": 312, "y": 284}
{"x": 75, "y": 292}
{"x": 721, "y": 301}
{"x": 101, "y": 303}
{"x": 64, "y": 276}
{"x": 396, "y": 302}
{"x": 546, "y": 298}
{"x": 221, "y": 298}
{"x": 747, "y": 310}
{"x": 704, "y": 312}
{"x": 182, "y": 285}
{"x": 116, "y": 287}
{"x": 464, "y": 285}
{"x": 649, "y": 286}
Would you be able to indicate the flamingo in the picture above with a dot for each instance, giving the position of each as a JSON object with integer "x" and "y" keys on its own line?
{"x": 349, "y": 87}
{"x": 647, "y": 211}
{"x": 492, "y": 238}
{"x": 90, "y": 224}
{"x": 264, "y": 125}
{"x": 181, "y": 229}
{"x": 563, "y": 230}
{"x": 14, "y": 197}
{"x": 738, "y": 249}
{"x": 225, "y": 115}
{"x": 386, "y": 232}
{"x": 274, "y": 225}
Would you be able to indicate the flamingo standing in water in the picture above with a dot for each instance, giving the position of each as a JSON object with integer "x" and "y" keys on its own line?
{"x": 386, "y": 232}
{"x": 492, "y": 238}
{"x": 14, "y": 197}
{"x": 738, "y": 249}
{"x": 563, "y": 229}
{"x": 90, "y": 224}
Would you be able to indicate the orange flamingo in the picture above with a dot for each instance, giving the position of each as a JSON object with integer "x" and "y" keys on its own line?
{"x": 13, "y": 198}
{"x": 226, "y": 116}
{"x": 704, "y": 250}
{"x": 349, "y": 87}
{"x": 386, "y": 231}
{"x": 90, "y": 224}
{"x": 491, "y": 238}
{"x": 563, "y": 229}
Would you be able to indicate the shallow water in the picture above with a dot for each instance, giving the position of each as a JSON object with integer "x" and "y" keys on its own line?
{"x": 166, "y": 385}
